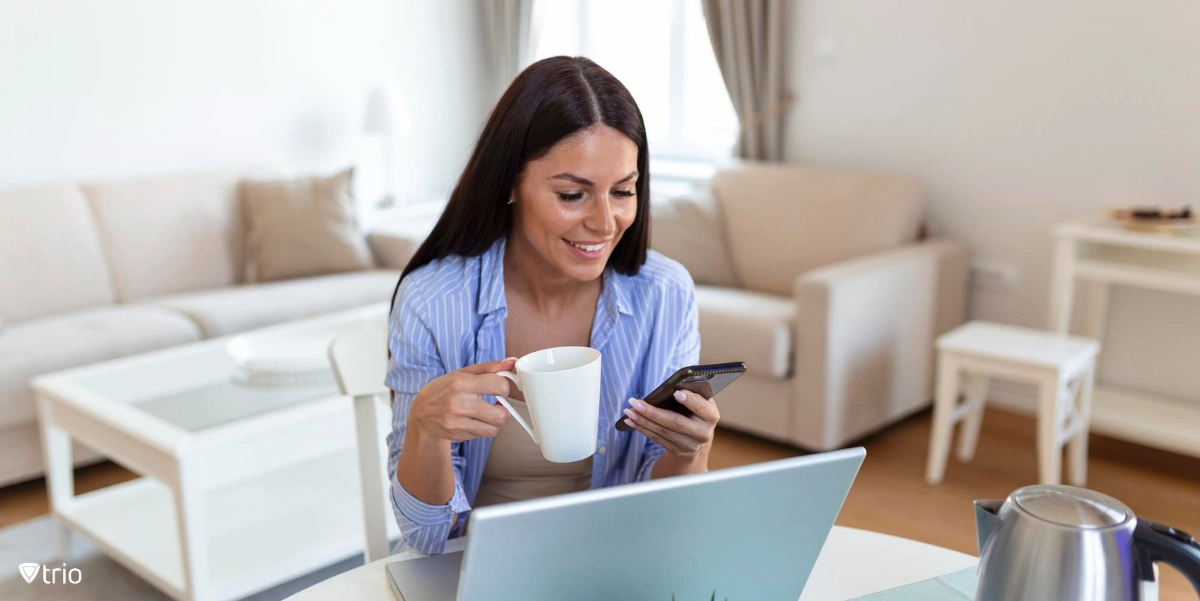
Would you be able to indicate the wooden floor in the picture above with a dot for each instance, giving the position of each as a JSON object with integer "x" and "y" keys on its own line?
{"x": 890, "y": 494}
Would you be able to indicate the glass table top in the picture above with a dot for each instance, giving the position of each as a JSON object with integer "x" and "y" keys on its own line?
{"x": 200, "y": 386}
{"x": 223, "y": 403}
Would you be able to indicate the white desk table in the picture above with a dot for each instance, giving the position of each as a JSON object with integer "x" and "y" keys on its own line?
{"x": 1100, "y": 254}
{"x": 852, "y": 563}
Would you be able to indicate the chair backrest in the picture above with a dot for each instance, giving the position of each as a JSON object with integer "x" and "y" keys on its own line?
{"x": 359, "y": 366}
{"x": 360, "y": 363}
{"x": 782, "y": 221}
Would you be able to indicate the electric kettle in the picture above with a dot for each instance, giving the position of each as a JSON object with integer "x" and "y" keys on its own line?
{"x": 1060, "y": 543}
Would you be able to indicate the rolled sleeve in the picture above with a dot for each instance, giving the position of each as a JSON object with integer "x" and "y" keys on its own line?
{"x": 425, "y": 527}
{"x": 414, "y": 363}
{"x": 650, "y": 454}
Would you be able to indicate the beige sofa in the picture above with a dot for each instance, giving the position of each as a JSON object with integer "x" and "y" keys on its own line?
{"x": 98, "y": 271}
{"x": 822, "y": 283}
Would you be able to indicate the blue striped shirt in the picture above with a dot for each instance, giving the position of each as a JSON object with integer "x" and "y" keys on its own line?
{"x": 450, "y": 314}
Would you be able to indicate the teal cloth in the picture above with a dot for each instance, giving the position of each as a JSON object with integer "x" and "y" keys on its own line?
{"x": 955, "y": 586}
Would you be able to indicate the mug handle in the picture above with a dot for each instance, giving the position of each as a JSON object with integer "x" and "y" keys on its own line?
{"x": 504, "y": 401}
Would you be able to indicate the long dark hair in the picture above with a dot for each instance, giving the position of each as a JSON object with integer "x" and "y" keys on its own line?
{"x": 550, "y": 100}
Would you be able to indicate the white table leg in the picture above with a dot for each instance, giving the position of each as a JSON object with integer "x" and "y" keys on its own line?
{"x": 1096, "y": 306}
{"x": 190, "y": 518}
{"x": 1077, "y": 448}
{"x": 1049, "y": 422}
{"x": 943, "y": 419}
{"x": 60, "y": 473}
{"x": 1062, "y": 286}
{"x": 977, "y": 387}
{"x": 1095, "y": 316}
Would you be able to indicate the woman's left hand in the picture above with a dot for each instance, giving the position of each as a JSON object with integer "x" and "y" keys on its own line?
{"x": 685, "y": 437}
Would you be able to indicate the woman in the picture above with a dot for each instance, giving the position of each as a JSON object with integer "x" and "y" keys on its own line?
{"x": 544, "y": 243}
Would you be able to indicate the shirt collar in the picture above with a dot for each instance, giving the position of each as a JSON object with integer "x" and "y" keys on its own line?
{"x": 614, "y": 295}
{"x": 491, "y": 280}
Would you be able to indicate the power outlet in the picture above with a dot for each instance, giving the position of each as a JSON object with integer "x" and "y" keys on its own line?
{"x": 995, "y": 275}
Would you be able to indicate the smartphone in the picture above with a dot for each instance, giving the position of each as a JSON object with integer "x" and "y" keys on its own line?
{"x": 705, "y": 380}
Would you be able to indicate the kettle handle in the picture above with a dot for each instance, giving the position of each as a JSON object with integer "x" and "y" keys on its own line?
{"x": 1157, "y": 542}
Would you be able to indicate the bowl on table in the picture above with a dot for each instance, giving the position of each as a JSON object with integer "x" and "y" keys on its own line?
{"x": 1155, "y": 220}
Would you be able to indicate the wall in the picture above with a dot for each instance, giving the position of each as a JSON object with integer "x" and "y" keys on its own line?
{"x": 115, "y": 89}
{"x": 1017, "y": 115}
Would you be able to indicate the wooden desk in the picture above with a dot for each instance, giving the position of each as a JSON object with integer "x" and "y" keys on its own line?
{"x": 1100, "y": 254}
{"x": 852, "y": 563}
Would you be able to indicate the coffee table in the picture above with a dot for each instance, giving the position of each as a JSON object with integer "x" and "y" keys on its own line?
{"x": 243, "y": 487}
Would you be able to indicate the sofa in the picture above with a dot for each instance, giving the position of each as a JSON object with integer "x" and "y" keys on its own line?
{"x": 824, "y": 282}
{"x": 102, "y": 270}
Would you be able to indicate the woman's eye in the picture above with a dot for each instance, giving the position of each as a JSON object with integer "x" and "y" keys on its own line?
{"x": 623, "y": 193}
{"x": 570, "y": 196}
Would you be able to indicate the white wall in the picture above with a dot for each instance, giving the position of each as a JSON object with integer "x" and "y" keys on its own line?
{"x": 114, "y": 89}
{"x": 1017, "y": 115}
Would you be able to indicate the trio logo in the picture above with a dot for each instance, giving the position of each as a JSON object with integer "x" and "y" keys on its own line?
{"x": 29, "y": 571}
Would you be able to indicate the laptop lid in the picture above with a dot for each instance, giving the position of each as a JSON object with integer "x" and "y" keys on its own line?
{"x": 745, "y": 533}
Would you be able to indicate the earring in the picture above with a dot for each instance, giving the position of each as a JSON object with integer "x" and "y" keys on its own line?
{"x": 511, "y": 200}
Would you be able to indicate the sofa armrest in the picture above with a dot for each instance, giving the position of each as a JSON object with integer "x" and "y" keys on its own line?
{"x": 865, "y": 338}
{"x": 393, "y": 249}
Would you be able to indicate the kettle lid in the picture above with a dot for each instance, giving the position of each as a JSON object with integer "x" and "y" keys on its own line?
{"x": 1072, "y": 507}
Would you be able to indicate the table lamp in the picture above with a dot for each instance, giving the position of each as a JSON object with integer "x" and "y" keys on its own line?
{"x": 387, "y": 116}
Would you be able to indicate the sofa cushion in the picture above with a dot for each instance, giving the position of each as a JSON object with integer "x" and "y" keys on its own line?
{"x": 171, "y": 234}
{"x": 241, "y": 308}
{"x": 302, "y": 227}
{"x": 39, "y": 346}
{"x": 739, "y": 325}
{"x": 689, "y": 228}
{"x": 785, "y": 220}
{"x": 50, "y": 254}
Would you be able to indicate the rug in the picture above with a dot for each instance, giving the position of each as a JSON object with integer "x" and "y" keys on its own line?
{"x": 102, "y": 578}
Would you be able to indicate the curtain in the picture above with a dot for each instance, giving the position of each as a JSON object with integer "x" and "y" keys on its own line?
{"x": 749, "y": 39}
{"x": 506, "y": 25}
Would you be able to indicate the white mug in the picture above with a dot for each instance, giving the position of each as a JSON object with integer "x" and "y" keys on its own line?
{"x": 562, "y": 391}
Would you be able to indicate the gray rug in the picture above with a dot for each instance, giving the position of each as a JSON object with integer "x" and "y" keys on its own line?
{"x": 103, "y": 578}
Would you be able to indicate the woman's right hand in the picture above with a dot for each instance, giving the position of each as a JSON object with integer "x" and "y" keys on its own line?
{"x": 451, "y": 406}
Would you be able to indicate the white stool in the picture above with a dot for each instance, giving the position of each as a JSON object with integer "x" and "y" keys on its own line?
{"x": 1061, "y": 366}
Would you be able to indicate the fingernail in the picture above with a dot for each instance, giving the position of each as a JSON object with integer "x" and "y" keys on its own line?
{"x": 640, "y": 404}
{"x": 631, "y": 415}
{"x": 680, "y": 396}
{"x": 510, "y": 358}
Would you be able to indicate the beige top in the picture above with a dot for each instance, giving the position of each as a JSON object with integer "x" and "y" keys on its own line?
{"x": 515, "y": 469}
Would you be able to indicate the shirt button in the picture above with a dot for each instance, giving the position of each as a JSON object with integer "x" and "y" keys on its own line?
{"x": 603, "y": 449}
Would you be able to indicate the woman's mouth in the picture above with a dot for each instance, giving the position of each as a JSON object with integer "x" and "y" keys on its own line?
{"x": 587, "y": 250}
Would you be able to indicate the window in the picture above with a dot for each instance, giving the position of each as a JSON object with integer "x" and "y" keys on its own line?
{"x": 661, "y": 52}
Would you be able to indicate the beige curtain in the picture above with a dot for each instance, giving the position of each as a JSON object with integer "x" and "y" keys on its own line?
{"x": 749, "y": 39}
{"x": 507, "y": 26}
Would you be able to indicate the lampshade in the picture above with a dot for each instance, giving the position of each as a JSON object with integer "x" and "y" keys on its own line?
{"x": 386, "y": 113}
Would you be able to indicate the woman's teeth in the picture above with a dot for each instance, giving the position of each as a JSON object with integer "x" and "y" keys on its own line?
{"x": 589, "y": 247}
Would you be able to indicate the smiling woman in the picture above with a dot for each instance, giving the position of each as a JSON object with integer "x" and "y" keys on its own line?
{"x": 544, "y": 243}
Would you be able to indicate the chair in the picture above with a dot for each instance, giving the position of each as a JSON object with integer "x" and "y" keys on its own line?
{"x": 359, "y": 366}
{"x": 823, "y": 282}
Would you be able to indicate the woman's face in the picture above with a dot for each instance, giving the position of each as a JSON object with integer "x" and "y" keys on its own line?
{"x": 573, "y": 204}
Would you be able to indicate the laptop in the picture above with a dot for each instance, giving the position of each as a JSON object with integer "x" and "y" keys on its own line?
{"x": 749, "y": 533}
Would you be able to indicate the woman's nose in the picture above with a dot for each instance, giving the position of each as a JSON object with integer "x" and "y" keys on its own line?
{"x": 601, "y": 218}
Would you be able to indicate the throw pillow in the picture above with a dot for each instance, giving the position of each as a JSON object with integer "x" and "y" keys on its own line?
{"x": 302, "y": 227}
